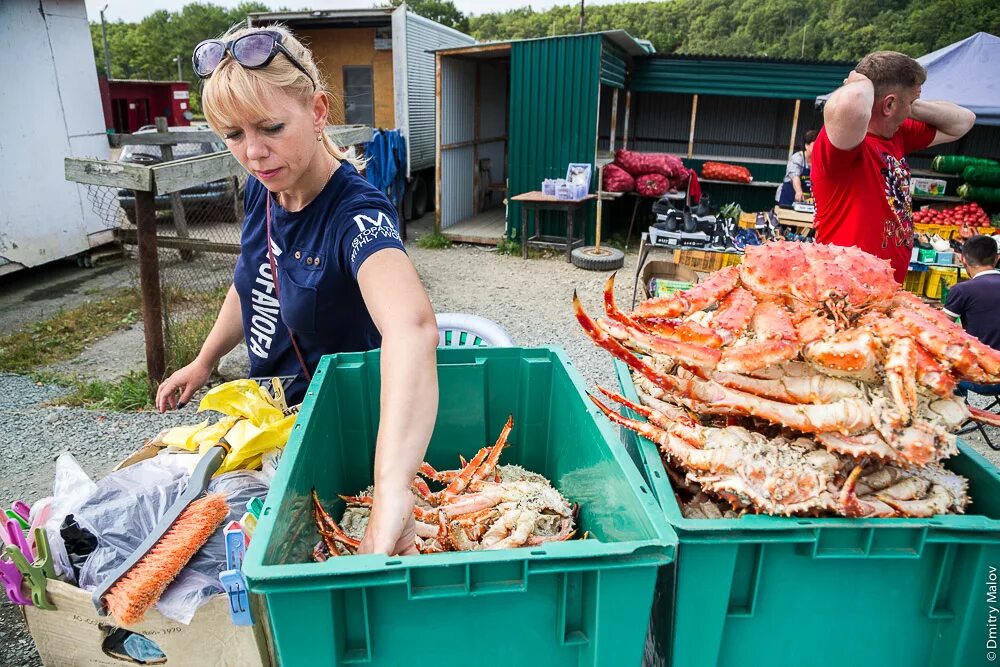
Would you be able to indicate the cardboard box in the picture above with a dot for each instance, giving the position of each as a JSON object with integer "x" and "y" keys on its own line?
{"x": 934, "y": 187}
{"x": 74, "y": 634}
{"x": 666, "y": 271}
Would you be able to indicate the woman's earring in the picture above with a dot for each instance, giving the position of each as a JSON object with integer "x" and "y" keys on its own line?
{"x": 319, "y": 137}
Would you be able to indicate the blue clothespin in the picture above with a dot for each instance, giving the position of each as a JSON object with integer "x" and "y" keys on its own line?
{"x": 232, "y": 577}
{"x": 239, "y": 599}
{"x": 235, "y": 546}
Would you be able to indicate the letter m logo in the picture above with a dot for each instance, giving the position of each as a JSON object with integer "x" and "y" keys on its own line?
{"x": 362, "y": 220}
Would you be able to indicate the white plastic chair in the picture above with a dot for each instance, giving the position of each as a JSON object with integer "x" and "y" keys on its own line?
{"x": 464, "y": 330}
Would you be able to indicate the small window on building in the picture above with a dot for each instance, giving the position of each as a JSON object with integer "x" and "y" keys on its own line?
{"x": 359, "y": 96}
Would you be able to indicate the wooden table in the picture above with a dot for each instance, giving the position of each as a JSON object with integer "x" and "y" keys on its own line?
{"x": 793, "y": 218}
{"x": 536, "y": 201}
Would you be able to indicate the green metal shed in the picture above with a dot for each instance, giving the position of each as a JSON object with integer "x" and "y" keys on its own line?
{"x": 551, "y": 89}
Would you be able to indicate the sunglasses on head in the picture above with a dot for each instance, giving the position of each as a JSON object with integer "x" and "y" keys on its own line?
{"x": 253, "y": 51}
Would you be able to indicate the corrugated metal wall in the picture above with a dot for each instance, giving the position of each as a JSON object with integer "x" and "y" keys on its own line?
{"x": 612, "y": 66}
{"x": 788, "y": 80}
{"x": 423, "y": 36}
{"x": 458, "y": 85}
{"x": 726, "y": 126}
{"x": 553, "y": 115}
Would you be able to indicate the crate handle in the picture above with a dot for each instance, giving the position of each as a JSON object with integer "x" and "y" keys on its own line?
{"x": 869, "y": 542}
{"x": 465, "y": 580}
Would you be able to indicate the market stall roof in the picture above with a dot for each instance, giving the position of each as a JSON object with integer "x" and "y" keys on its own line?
{"x": 966, "y": 73}
{"x": 630, "y": 45}
{"x": 736, "y": 76}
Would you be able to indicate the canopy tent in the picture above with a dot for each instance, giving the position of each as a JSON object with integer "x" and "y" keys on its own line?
{"x": 966, "y": 73}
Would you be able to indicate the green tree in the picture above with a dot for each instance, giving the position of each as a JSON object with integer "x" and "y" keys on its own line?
{"x": 443, "y": 11}
{"x": 146, "y": 50}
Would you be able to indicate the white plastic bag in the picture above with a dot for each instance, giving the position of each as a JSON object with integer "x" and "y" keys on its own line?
{"x": 70, "y": 489}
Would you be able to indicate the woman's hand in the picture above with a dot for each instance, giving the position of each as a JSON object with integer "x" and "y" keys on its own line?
{"x": 184, "y": 383}
{"x": 391, "y": 529}
{"x": 799, "y": 196}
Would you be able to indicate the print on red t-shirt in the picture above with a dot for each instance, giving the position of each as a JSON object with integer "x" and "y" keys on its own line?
{"x": 863, "y": 194}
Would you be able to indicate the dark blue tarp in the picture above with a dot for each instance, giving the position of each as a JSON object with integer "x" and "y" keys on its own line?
{"x": 966, "y": 73}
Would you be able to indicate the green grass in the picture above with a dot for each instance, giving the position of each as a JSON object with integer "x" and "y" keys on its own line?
{"x": 131, "y": 392}
{"x": 68, "y": 333}
{"x": 188, "y": 317}
{"x": 435, "y": 241}
{"x": 185, "y": 335}
{"x": 506, "y": 246}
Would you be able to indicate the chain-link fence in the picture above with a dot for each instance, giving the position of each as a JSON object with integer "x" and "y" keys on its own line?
{"x": 197, "y": 253}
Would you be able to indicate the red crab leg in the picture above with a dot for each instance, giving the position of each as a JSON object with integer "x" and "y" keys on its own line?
{"x": 463, "y": 478}
{"x": 984, "y": 416}
{"x": 332, "y": 529}
{"x": 777, "y": 342}
{"x": 686, "y": 331}
{"x": 734, "y": 313}
{"x": 420, "y": 487}
{"x": 611, "y": 310}
{"x": 489, "y": 465}
{"x": 364, "y": 501}
{"x": 697, "y": 298}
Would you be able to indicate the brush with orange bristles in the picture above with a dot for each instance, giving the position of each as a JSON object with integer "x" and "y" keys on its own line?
{"x": 136, "y": 585}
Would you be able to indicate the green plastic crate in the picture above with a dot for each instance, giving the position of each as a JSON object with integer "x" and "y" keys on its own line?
{"x": 766, "y": 590}
{"x": 580, "y": 602}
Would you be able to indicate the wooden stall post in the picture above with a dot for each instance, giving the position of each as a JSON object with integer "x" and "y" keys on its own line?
{"x": 694, "y": 117}
{"x": 795, "y": 128}
{"x": 600, "y": 202}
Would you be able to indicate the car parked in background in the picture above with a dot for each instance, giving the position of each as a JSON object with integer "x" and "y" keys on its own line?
{"x": 216, "y": 201}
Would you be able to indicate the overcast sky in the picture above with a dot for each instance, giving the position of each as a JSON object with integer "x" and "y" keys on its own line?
{"x": 131, "y": 11}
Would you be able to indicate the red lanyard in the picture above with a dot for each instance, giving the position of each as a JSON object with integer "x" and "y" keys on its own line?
{"x": 274, "y": 277}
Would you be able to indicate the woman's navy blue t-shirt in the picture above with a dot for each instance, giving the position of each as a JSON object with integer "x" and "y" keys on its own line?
{"x": 318, "y": 252}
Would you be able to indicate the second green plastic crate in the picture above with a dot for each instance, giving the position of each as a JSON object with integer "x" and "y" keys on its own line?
{"x": 580, "y": 602}
{"x": 765, "y": 590}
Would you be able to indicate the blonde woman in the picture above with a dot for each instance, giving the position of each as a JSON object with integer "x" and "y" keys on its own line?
{"x": 322, "y": 268}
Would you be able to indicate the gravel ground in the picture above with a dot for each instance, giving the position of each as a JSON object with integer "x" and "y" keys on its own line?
{"x": 530, "y": 299}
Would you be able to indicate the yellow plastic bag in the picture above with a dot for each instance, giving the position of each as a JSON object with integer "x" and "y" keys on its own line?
{"x": 254, "y": 424}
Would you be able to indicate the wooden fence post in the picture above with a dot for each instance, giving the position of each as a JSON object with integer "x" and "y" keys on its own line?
{"x": 149, "y": 284}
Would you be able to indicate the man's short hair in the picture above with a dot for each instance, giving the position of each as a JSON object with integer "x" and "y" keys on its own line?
{"x": 890, "y": 71}
{"x": 980, "y": 250}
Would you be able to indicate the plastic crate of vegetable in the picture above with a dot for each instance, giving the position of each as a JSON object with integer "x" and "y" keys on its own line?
{"x": 577, "y": 602}
{"x": 770, "y": 590}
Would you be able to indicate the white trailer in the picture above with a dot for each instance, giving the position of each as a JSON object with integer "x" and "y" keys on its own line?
{"x": 397, "y": 45}
{"x": 52, "y": 110}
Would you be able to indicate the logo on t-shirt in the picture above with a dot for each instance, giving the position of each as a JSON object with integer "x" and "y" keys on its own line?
{"x": 898, "y": 230}
{"x": 265, "y": 307}
{"x": 371, "y": 229}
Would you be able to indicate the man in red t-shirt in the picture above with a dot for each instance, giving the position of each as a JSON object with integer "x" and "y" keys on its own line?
{"x": 860, "y": 179}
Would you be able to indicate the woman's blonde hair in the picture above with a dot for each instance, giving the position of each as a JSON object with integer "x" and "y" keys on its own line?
{"x": 233, "y": 91}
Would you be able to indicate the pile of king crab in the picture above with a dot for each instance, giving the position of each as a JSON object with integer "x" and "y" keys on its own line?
{"x": 803, "y": 381}
{"x": 483, "y": 506}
